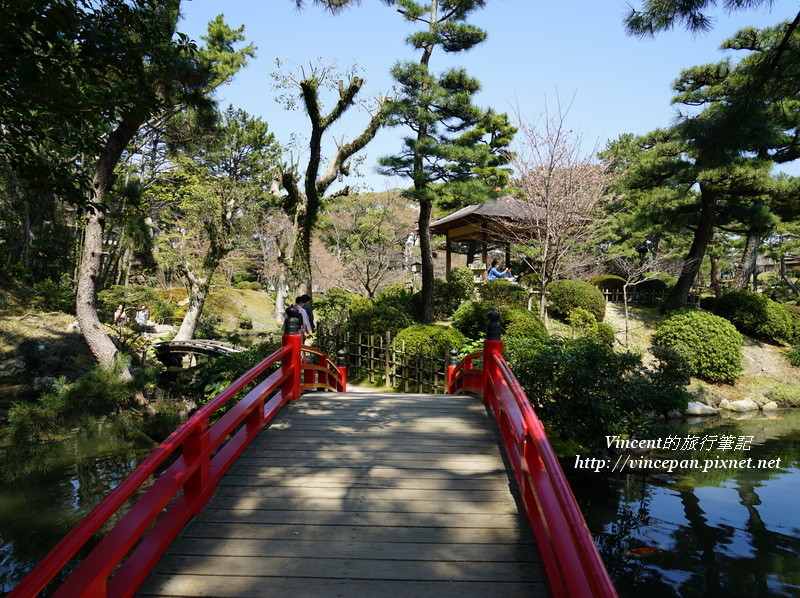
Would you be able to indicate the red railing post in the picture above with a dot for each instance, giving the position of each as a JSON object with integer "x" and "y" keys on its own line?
{"x": 450, "y": 371}
{"x": 341, "y": 364}
{"x": 195, "y": 451}
{"x": 290, "y": 366}
{"x": 492, "y": 347}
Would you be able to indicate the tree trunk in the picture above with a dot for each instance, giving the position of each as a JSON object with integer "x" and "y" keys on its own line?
{"x": 198, "y": 291}
{"x": 679, "y": 295}
{"x": 96, "y": 336}
{"x": 426, "y": 294}
{"x": 747, "y": 265}
{"x": 92, "y": 330}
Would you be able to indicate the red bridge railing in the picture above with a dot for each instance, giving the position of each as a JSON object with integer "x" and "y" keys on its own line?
{"x": 200, "y": 453}
{"x": 571, "y": 559}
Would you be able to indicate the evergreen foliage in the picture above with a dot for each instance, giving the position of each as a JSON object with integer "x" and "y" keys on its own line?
{"x": 710, "y": 344}
{"x": 72, "y": 408}
{"x": 471, "y": 319}
{"x": 522, "y": 323}
{"x": 503, "y": 295}
{"x": 378, "y": 319}
{"x": 583, "y": 390}
{"x": 429, "y": 339}
{"x": 755, "y": 315}
{"x": 462, "y": 280}
{"x": 565, "y": 295}
{"x": 607, "y": 281}
{"x": 454, "y": 148}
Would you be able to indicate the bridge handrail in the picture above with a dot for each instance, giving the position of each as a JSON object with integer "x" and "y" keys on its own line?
{"x": 202, "y": 452}
{"x": 326, "y": 374}
{"x": 572, "y": 562}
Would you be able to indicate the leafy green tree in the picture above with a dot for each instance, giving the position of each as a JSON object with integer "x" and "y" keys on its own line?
{"x": 216, "y": 192}
{"x": 452, "y": 141}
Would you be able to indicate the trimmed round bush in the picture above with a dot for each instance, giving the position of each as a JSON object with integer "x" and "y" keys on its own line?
{"x": 708, "y": 303}
{"x": 503, "y": 295}
{"x": 462, "y": 280}
{"x": 607, "y": 281}
{"x": 378, "y": 319}
{"x": 521, "y": 323}
{"x": 531, "y": 281}
{"x": 565, "y": 295}
{"x": 755, "y": 315}
{"x": 429, "y": 339}
{"x": 710, "y": 344}
{"x": 470, "y": 319}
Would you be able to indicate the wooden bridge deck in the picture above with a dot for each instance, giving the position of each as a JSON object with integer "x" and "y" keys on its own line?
{"x": 361, "y": 494}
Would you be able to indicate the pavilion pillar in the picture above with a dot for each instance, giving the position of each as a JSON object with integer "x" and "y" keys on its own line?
{"x": 447, "y": 255}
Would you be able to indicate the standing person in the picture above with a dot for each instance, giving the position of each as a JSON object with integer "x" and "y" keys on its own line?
{"x": 305, "y": 323}
{"x": 142, "y": 316}
{"x": 309, "y": 311}
{"x": 120, "y": 316}
{"x": 494, "y": 273}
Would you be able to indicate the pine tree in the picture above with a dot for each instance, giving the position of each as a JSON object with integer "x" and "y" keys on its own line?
{"x": 453, "y": 142}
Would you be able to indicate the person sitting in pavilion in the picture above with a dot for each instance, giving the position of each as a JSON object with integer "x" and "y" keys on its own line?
{"x": 494, "y": 273}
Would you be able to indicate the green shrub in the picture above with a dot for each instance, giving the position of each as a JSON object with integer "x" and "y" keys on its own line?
{"x": 794, "y": 313}
{"x": 378, "y": 319}
{"x": 245, "y": 322}
{"x": 531, "y": 281}
{"x": 565, "y": 295}
{"x": 429, "y": 339}
{"x": 607, "y": 281}
{"x": 503, "y": 295}
{"x": 604, "y": 332}
{"x": 708, "y": 303}
{"x": 521, "y": 323}
{"x": 582, "y": 319}
{"x": 755, "y": 315}
{"x": 794, "y": 356}
{"x": 470, "y": 319}
{"x": 710, "y": 344}
{"x": 463, "y": 281}
{"x": 334, "y": 307}
{"x": 398, "y": 296}
{"x": 584, "y": 391}
{"x": 55, "y": 296}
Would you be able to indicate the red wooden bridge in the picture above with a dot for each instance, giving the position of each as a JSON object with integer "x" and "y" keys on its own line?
{"x": 304, "y": 493}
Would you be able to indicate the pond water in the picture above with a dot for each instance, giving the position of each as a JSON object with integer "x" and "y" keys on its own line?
{"x": 38, "y": 509}
{"x": 732, "y": 530}
{"x": 728, "y": 531}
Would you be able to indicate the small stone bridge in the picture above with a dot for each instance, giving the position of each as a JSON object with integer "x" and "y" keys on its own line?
{"x": 172, "y": 353}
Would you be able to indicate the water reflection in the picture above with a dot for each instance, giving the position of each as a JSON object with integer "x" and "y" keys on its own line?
{"x": 38, "y": 509}
{"x": 724, "y": 532}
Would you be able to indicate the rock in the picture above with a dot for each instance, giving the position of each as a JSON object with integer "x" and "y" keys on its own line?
{"x": 741, "y": 406}
{"x": 771, "y": 406}
{"x": 43, "y": 383}
{"x": 695, "y": 408}
{"x": 12, "y": 367}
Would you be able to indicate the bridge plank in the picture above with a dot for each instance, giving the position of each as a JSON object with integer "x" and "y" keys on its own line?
{"x": 361, "y": 495}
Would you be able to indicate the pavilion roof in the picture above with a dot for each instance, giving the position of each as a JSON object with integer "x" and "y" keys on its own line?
{"x": 490, "y": 221}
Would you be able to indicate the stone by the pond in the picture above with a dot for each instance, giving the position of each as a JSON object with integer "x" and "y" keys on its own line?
{"x": 696, "y": 408}
{"x": 742, "y": 405}
{"x": 771, "y": 406}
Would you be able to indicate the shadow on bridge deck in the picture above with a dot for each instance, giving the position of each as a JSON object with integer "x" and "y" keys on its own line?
{"x": 361, "y": 494}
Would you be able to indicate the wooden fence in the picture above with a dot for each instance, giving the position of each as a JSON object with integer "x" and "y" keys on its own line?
{"x": 375, "y": 359}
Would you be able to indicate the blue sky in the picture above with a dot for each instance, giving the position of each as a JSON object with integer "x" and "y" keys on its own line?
{"x": 536, "y": 53}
